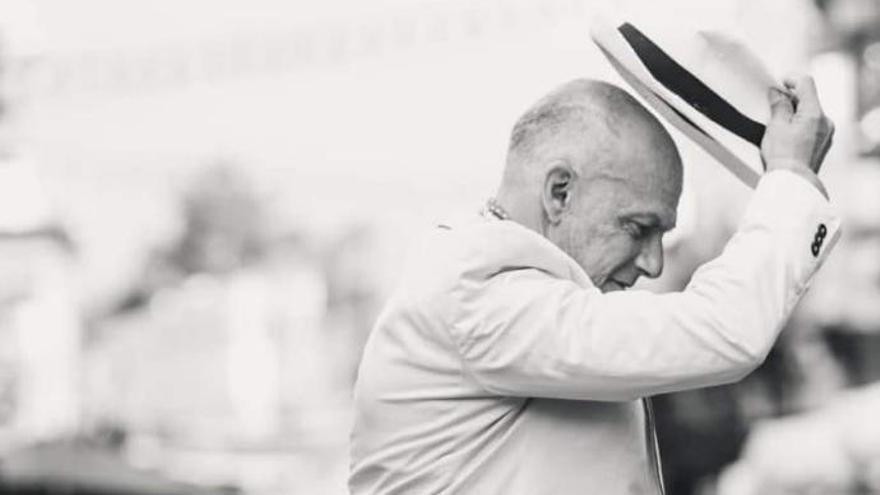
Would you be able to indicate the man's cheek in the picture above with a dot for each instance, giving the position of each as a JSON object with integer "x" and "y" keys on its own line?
{"x": 625, "y": 253}
{"x": 622, "y": 247}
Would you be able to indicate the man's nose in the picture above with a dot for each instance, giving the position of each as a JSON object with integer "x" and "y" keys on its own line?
{"x": 650, "y": 259}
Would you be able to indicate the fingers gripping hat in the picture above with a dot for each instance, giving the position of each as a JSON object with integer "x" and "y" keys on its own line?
{"x": 705, "y": 83}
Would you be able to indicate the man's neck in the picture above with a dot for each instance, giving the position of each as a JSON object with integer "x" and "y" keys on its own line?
{"x": 524, "y": 211}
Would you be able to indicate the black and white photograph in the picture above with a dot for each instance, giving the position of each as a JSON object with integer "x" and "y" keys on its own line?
{"x": 439, "y": 247}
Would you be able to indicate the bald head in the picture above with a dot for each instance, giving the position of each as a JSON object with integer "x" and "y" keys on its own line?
{"x": 594, "y": 171}
{"x": 585, "y": 121}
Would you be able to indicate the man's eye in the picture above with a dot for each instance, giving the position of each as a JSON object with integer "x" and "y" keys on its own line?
{"x": 635, "y": 230}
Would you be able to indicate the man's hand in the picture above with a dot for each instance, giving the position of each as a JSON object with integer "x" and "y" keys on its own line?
{"x": 799, "y": 134}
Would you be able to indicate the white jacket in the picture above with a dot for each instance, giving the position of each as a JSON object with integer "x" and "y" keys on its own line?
{"x": 497, "y": 367}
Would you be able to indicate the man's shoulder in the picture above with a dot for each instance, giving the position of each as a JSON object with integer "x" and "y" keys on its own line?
{"x": 444, "y": 252}
{"x": 475, "y": 248}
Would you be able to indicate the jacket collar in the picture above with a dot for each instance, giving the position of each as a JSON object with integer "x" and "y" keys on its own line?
{"x": 502, "y": 245}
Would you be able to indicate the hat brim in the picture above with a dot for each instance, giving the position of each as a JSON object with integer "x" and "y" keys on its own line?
{"x": 683, "y": 100}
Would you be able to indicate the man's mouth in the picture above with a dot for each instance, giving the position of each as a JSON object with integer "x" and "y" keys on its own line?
{"x": 614, "y": 285}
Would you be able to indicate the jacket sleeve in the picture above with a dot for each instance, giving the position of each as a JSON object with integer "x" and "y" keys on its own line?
{"x": 523, "y": 332}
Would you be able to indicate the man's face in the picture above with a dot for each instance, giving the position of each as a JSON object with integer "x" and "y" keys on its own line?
{"x": 615, "y": 225}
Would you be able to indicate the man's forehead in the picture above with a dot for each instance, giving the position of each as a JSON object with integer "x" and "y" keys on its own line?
{"x": 660, "y": 183}
{"x": 659, "y": 203}
{"x": 651, "y": 200}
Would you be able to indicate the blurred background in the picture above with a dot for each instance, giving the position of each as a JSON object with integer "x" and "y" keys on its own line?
{"x": 203, "y": 204}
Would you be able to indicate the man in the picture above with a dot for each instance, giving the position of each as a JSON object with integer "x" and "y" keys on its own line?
{"x": 511, "y": 361}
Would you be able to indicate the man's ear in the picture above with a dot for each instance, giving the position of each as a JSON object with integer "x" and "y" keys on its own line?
{"x": 557, "y": 194}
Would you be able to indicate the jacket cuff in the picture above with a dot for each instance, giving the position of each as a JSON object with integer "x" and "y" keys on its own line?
{"x": 802, "y": 170}
{"x": 805, "y": 225}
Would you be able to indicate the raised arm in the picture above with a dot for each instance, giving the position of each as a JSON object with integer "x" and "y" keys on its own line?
{"x": 526, "y": 332}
